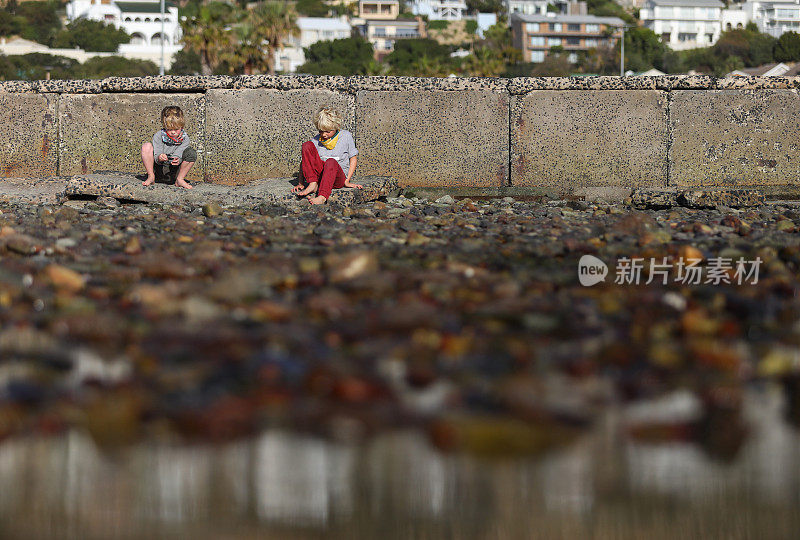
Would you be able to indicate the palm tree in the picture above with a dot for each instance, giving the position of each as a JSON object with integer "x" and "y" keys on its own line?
{"x": 208, "y": 34}
{"x": 273, "y": 22}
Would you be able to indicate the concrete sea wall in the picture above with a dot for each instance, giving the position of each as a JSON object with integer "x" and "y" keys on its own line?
{"x": 561, "y": 135}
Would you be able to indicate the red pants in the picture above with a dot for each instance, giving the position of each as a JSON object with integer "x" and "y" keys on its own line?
{"x": 328, "y": 173}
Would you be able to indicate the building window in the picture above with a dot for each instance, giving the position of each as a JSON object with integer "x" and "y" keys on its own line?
{"x": 666, "y": 37}
{"x": 537, "y": 56}
{"x": 127, "y": 19}
{"x": 553, "y": 42}
{"x": 555, "y": 27}
{"x": 406, "y": 33}
{"x": 573, "y": 58}
{"x": 590, "y": 42}
{"x": 573, "y": 27}
{"x": 532, "y": 27}
{"x": 710, "y": 38}
{"x": 592, "y": 28}
{"x": 664, "y": 12}
{"x": 687, "y": 12}
{"x": 537, "y": 41}
{"x": 712, "y": 14}
{"x": 685, "y": 37}
{"x": 380, "y": 32}
{"x": 786, "y": 13}
{"x": 573, "y": 41}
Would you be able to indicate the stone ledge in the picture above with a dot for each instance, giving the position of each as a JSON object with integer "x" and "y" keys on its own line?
{"x": 696, "y": 198}
{"x": 494, "y": 84}
{"x": 271, "y": 191}
{"x": 354, "y": 84}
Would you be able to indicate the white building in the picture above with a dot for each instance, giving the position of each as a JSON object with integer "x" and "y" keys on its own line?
{"x": 774, "y": 17}
{"x": 684, "y": 24}
{"x": 539, "y": 7}
{"x": 312, "y": 30}
{"x": 440, "y": 10}
{"x": 141, "y": 20}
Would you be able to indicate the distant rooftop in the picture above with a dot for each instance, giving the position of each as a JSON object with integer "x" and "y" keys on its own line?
{"x": 321, "y": 23}
{"x": 689, "y": 3}
{"x": 591, "y": 19}
{"x": 142, "y": 7}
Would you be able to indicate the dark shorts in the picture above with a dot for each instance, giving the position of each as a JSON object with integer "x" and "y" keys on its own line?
{"x": 167, "y": 173}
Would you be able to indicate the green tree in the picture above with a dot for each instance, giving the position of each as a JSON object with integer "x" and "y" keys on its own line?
{"x": 484, "y": 62}
{"x": 348, "y": 56}
{"x": 643, "y": 49}
{"x": 11, "y": 24}
{"x": 762, "y": 47}
{"x": 555, "y": 64}
{"x": 787, "y": 49}
{"x": 271, "y": 24}
{"x": 208, "y": 34}
{"x": 42, "y": 21}
{"x": 608, "y": 8}
{"x": 185, "y": 62}
{"x": 312, "y": 8}
{"x": 35, "y": 66}
{"x": 115, "y": 66}
{"x": 91, "y": 36}
{"x": 407, "y": 51}
{"x": 485, "y": 6}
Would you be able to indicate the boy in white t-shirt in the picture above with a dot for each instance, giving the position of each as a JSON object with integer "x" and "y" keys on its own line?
{"x": 325, "y": 158}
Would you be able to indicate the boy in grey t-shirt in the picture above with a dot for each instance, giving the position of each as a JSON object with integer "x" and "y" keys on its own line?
{"x": 169, "y": 154}
{"x": 325, "y": 158}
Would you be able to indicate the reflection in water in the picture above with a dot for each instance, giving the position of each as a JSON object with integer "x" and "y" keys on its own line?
{"x": 396, "y": 485}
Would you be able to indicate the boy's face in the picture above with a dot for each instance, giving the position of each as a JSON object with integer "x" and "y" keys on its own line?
{"x": 327, "y": 134}
{"x": 173, "y": 132}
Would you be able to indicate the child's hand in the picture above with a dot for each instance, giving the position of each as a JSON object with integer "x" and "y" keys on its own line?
{"x": 162, "y": 157}
{"x": 348, "y": 183}
{"x": 298, "y": 188}
{"x": 175, "y": 160}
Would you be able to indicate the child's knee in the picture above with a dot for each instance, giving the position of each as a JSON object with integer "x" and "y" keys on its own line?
{"x": 329, "y": 164}
{"x": 148, "y": 147}
{"x": 190, "y": 154}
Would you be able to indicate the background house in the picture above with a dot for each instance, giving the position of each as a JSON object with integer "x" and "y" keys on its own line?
{"x": 774, "y": 17}
{"x": 534, "y": 35}
{"x": 684, "y": 24}
{"x": 312, "y": 30}
{"x": 141, "y": 20}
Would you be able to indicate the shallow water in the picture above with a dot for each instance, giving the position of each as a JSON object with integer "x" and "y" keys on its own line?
{"x": 396, "y": 485}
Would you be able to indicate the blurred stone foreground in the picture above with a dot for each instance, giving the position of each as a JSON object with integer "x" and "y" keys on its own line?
{"x": 223, "y": 330}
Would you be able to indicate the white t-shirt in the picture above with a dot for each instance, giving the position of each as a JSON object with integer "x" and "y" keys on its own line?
{"x": 345, "y": 149}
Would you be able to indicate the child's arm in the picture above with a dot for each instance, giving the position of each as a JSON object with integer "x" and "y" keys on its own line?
{"x": 158, "y": 148}
{"x": 351, "y": 170}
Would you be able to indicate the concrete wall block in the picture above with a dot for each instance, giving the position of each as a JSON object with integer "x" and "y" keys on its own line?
{"x": 434, "y": 138}
{"x": 735, "y": 137}
{"x": 257, "y": 133}
{"x": 576, "y": 139}
{"x": 28, "y": 135}
{"x": 105, "y": 132}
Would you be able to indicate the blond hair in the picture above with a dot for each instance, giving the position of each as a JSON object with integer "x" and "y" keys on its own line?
{"x": 327, "y": 119}
{"x": 172, "y": 118}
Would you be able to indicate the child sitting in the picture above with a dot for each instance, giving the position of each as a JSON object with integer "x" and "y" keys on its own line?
{"x": 169, "y": 154}
{"x": 325, "y": 157}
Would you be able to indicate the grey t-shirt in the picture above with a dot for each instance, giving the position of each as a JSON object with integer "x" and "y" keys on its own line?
{"x": 172, "y": 149}
{"x": 345, "y": 149}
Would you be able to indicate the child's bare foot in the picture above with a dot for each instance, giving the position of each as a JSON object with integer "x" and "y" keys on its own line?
{"x": 183, "y": 183}
{"x": 310, "y": 188}
{"x": 149, "y": 181}
{"x": 317, "y": 200}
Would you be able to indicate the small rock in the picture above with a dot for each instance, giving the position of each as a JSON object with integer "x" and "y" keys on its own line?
{"x": 64, "y": 278}
{"x": 212, "y": 209}
{"x": 447, "y": 199}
